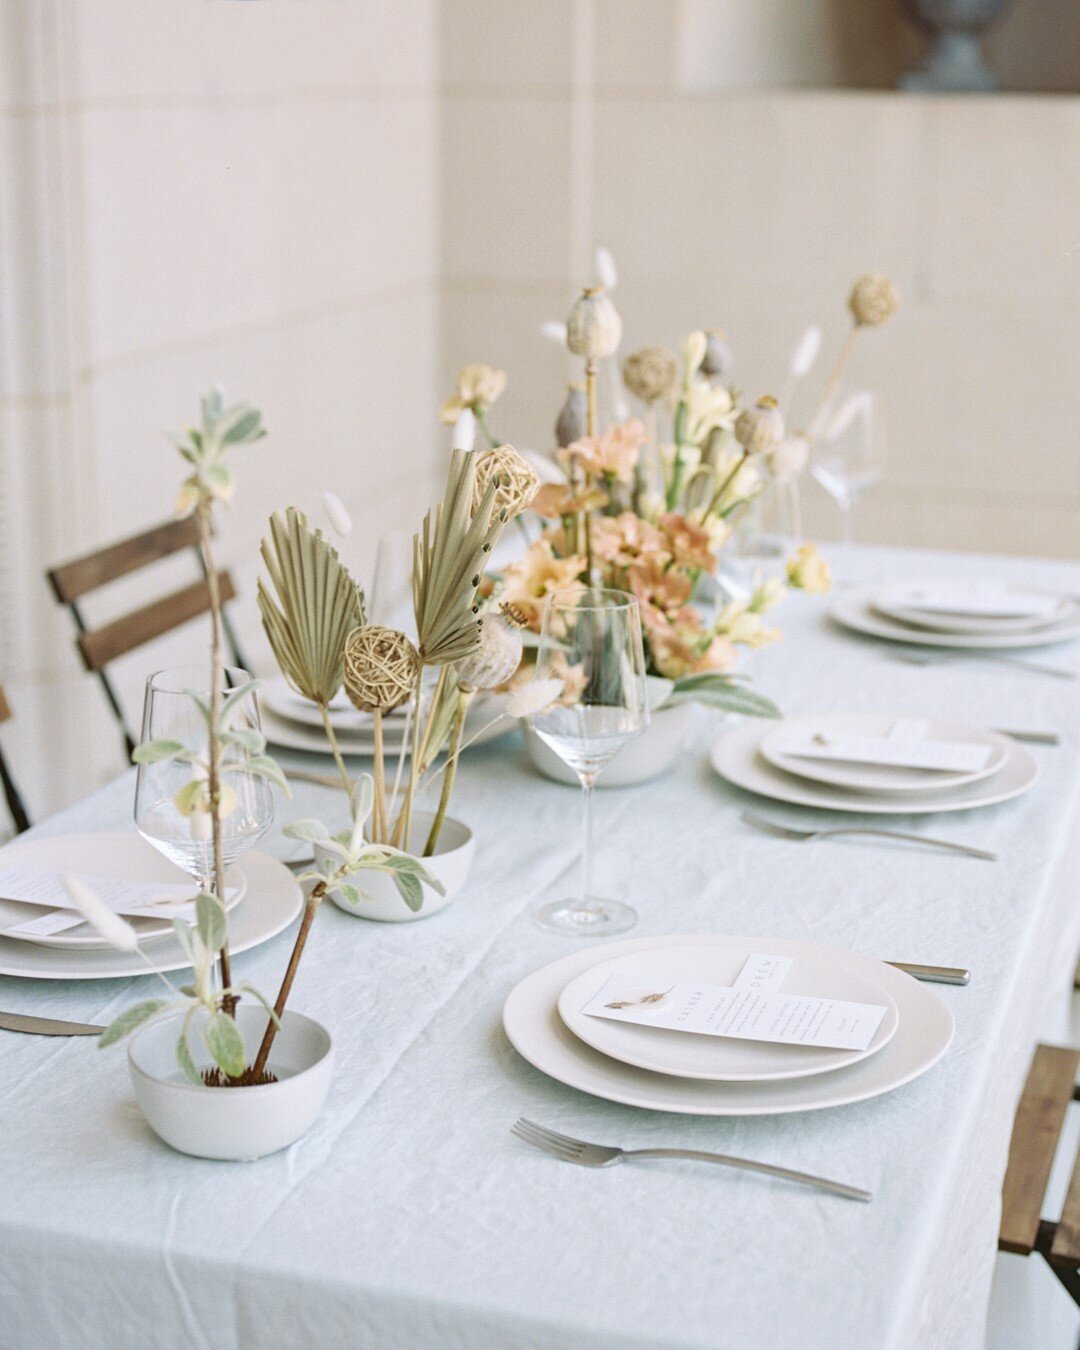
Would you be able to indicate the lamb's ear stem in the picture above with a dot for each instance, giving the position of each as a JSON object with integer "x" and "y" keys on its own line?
{"x": 154, "y": 971}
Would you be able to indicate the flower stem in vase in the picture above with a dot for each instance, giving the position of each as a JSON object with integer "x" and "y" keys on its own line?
{"x": 378, "y": 824}
{"x": 449, "y": 771}
{"x": 335, "y": 749}
{"x": 314, "y": 901}
{"x": 229, "y": 1001}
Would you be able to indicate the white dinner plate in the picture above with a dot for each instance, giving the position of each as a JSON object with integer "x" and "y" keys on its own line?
{"x": 854, "y": 609}
{"x": 823, "y": 972}
{"x": 118, "y": 854}
{"x": 898, "y": 600}
{"x": 735, "y": 756}
{"x": 878, "y": 777}
{"x": 535, "y": 1029}
{"x": 273, "y": 901}
{"x": 481, "y": 721}
{"x": 287, "y": 704}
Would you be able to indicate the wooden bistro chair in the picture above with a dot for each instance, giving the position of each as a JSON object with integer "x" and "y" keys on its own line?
{"x": 15, "y": 806}
{"x": 98, "y": 647}
{"x": 1050, "y": 1087}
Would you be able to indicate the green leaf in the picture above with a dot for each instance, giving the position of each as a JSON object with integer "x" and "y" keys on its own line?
{"x": 183, "y": 1055}
{"x": 717, "y": 691}
{"x": 152, "y": 752}
{"x": 246, "y": 426}
{"x": 128, "y": 1020}
{"x": 183, "y": 936}
{"x": 409, "y": 889}
{"x": 187, "y": 799}
{"x": 213, "y": 405}
{"x": 247, "y": 738}
{"x": 311, "y": 831}
{"x": 405, "y": 865}
{"x": 351, "y": 894}
{"x": 225, "y": 1043}
{"x": 232, "y": 698}
{"x": 213, "y": 926}
{"x": 265, "y": 767}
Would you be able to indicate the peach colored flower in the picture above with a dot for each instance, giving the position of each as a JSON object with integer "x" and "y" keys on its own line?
{"x": 614, "y": 454}
{"x": 688, "y": 544}
{"x": 663, "y": 588}
{"x": 528, "y": 583}
{"x": 555, "y": 500}
{"x": 624, "y": 538}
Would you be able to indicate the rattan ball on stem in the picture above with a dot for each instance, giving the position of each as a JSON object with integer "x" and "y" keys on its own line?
{"x": 381, "y": 667}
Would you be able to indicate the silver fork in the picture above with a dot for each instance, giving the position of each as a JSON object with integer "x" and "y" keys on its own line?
{"x": 835, "y": 832}
{"x": 562, "y": 1146}
{"x": 939, "y": 658}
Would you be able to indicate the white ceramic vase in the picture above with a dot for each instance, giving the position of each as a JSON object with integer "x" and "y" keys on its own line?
{"x": 449, "y": 864}
{"x": 232, "y": 1124}
{"x": 647, "y": 756}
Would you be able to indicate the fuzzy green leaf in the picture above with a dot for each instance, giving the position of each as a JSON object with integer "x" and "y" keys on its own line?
{"x": 225, "y": 1043}
{"x": 311, "y": 831}
{"x": 249, "y": 740}
{"x": 717, "y": 691}
{"x": 213, "y": 926}
{"x": 349, "y": 893}
{"x": 153, "y": 752}
{"x": 183, "y": 1056}
{"x": 409, "y": 889}
{"x": 128, "y": 1020}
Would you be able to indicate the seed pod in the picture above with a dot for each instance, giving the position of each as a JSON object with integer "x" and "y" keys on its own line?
{"x": 651, "y": 374}
{"x": 594, "y": 329}
{"x": 716, "y": 363}
{"x": 873, "y": 300}
{"x": 760, "y": 428}
{"x": 495, "y": 657}
{"x": 572, "y": 422}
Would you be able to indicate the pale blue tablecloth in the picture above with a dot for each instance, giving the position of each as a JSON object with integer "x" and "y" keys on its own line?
{"x": 409, "y": 1217}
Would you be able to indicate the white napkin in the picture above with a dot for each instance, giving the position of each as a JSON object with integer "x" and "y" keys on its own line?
{"x": 979, "y": 599}
{"x": 905, "y": 747}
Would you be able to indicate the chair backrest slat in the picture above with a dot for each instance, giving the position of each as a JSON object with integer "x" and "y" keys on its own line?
{"x": 76, "y": 579}
{"x": 1039, "y": 1118}
{"x": 1065, "y": 1249}
{"x": 10, "y": 792}
{"x": 99, "y": 646}
{"x": 5, "y": 710}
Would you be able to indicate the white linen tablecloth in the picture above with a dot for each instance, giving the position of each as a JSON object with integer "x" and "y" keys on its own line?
{"x": 410, "y": 1217}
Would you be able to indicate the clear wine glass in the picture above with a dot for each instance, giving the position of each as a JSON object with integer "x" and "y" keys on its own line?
{"x": 849, "y": 453}
{"x": 171, "y": 713}
{"x": 591, "y": 639}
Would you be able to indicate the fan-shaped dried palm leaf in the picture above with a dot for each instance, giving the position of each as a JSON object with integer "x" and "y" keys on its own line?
{"x": 448, "y": 558}
{"x": 319, "y": 605}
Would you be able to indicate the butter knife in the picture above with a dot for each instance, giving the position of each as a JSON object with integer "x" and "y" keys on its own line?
{"x": 933, "y": 974}
{"x": 46, "y": 1026}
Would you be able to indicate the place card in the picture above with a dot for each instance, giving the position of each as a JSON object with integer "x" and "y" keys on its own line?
{"x": 753, "y": 1009}
{"x": 904, "y": 747}
{"x": 979, "y": 600}
{"x": 135, "y": 899}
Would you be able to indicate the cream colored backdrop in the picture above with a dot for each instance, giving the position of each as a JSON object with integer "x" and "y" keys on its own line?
{"x": 330, "y": 205}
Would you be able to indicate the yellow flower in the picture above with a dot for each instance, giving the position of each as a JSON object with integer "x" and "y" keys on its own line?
{"x": 808, "y": 571}
{"x": 742, "y": 625}
{"x": 478, "y": 386}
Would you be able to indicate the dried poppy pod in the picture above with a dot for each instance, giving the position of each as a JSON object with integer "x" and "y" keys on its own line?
{"x": 716, "y": 363}
{"x": 380, "y": 666}
{"x": 572, "y": 421}
{"x": 651, "y": 374}
{"x": 495, "y": 657}
{"x": 517, "y": 480}
{"x": 594, "y": 329}
{"x": 760, "y": 428}
{"x": 873, "y": 300}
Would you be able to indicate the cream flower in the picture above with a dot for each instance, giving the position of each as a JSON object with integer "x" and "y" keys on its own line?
{"x": 808, "y": 571}
{"x": 708, "y": 406}
{"x": 478, "y": 386}
{"x": 766, "y": 594}
{"x": 694, "y": 346}
{"x": 742, "y": 625}
{"x": 528, "y": 583}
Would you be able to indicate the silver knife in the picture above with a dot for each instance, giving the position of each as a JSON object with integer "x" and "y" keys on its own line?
{"x": 933, "y": 974}
{"x": 46, "y": 1026}
{"x": 1035, "y": 737}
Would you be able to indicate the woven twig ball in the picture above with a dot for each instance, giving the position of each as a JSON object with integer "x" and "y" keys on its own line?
{"x": 518, "y": 482}
{"x": 651, "y": 373}
{"x": 380, "y": 666}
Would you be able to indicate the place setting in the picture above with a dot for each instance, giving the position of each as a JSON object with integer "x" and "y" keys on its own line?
{"x": 941, "y": 619}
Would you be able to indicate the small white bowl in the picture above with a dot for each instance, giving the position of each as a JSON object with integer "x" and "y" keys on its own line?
{"x": 449, "y": 864}
{"x": 232, "y": 1124}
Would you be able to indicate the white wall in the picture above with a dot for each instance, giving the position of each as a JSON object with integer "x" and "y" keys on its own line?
{"x": 199, "y": 191}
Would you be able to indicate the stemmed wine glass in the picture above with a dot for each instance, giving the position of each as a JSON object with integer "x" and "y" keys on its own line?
{"x": 171, "y": 713}
{"x": 591, "y": 641}
{"x": 849, "y": 457}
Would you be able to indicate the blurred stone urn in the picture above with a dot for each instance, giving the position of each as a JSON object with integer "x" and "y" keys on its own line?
{"x": 954, "y": 64}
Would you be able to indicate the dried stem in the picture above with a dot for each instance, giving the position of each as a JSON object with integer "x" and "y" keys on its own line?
{"x": 328, "y": 727}
{"x": 378, "y": 824}
{"x": 228, "y": 1001}
{"x": 814, "y": 431}
{"x": 450, "y": 771}
{"x": 400, "y": 837}
{"x": 314, "y": 901}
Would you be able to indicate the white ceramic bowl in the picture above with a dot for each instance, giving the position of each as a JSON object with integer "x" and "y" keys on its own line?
{"x": 449, "y": 863}
{"x": 647, "y": 756}
{"x": 233, "y": 1124}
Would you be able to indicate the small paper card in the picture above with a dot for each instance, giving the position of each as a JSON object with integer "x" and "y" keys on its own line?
{"x": 752, "y": 1009}
{"x": 905, "y": 747}
{"x": 137, "y": 899}
{"x": 979, "y": 600}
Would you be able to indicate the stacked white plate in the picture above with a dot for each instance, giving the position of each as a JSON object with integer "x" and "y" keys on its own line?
{"x": 293, "y": 722}
{"x": 763, "y": 757}
{"x": 668, "y": 1070}
{"x": 954, "y": 612}
{"x": 265, "y": 898}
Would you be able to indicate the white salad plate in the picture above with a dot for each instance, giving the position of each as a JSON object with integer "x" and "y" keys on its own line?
{"x": 119, "y": 855}
{"x": 862, "y": 777}
{"x": 736, "y": 757}
{"x": 535, "y": 1029}
{"x": 272, "y": 902}
{"x": 900, "y": 600}
{"x": 823, "y": 972}
{"x": 481, "y": 722}
{"x": 285, "y": 703}
{"x": 856, "y": 609}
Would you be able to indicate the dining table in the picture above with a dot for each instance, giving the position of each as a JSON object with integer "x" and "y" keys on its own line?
{"x": 410, "y": 1216}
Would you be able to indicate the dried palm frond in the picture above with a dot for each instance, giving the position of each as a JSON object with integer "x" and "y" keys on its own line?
{"x": 319, "y": 605}
{"x": 448, "y": 558}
